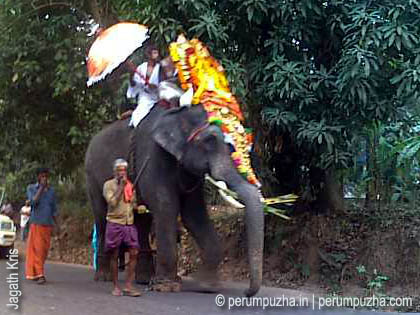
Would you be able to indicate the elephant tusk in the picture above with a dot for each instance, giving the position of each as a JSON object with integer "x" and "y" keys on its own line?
{"x": 227, "y": 194}
{"x": 232, "y": 201}
{"x": 221, "y": 185}
{"x": 231, "y": 197}
{"x": 228, "y": 198}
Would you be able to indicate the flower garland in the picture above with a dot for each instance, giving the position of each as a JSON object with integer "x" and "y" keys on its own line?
{"x": 197, "y": 69}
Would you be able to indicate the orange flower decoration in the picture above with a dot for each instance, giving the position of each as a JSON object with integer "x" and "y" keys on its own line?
{"x": 199, "y": 70}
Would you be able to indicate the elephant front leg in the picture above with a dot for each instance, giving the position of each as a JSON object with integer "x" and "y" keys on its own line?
{"x": 196, "y": 220}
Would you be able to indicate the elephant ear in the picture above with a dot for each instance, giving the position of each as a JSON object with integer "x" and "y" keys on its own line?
{"x": 173, "y": 128}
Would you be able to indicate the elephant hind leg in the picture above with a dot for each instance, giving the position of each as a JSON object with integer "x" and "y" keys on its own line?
{"x": 99, "y": 208}
{"x": 145, "y": 267}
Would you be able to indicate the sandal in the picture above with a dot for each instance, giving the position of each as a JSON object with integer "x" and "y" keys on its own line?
{"x": 41, "y": 280}
{"x": 116, "y": 292}
{"x": 131, "y": 292}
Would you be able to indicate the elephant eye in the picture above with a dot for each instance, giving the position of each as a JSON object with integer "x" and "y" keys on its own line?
{"x": 210, "y": 140}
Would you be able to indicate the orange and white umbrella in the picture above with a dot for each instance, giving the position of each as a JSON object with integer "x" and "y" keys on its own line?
{"x": 112, "y": 47}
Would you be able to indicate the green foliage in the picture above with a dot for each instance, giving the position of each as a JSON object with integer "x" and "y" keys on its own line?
{"x": 47, "y": 113}
{"x": 408, "y": 150}
{"x": 317, "y": 73}
{"x": 390, "y": 172}
{"x": 304, "y": 270}
{"x": 375, "y": 281}
{"x": 350, "y": 82}
{"x": 17, "y": 182}
{"x": 72, "y": 197}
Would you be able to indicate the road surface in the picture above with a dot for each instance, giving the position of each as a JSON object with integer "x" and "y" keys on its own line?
{"x": 71, "y": 290}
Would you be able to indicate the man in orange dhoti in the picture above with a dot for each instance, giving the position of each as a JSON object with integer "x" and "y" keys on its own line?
{"x": 43, "y": 217}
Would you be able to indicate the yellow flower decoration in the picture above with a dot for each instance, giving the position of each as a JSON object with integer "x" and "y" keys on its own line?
{"x": 199, "y": 70}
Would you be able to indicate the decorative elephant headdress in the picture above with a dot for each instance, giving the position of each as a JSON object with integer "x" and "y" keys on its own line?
{"x": 200, "y": 73}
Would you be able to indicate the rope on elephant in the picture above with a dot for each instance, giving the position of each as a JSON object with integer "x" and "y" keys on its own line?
{"x": 132, "y": 156}
{"x": 133, "y": 173}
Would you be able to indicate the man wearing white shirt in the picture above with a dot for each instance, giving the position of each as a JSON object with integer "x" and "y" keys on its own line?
{"x": 143, "y": 85}
{"x": 25, "y": 213}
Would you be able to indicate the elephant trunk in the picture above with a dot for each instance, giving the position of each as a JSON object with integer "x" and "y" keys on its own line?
{"x": 254, "y": 220}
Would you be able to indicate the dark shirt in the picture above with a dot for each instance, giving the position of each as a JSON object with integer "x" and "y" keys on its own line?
{"x": 43, "y": 210}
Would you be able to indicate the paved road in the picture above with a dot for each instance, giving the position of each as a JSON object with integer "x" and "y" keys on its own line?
{"x": 71, "y": 290}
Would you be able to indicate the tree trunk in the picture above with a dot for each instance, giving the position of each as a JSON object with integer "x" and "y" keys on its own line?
{"x": 96, "y": 11}
{"x": 330, "y": 194}
{"x": 102, "y": 13}
{"x": 334, "y": 191}
{"x": 312, "y": 256}
{"x": 372, "y": 188}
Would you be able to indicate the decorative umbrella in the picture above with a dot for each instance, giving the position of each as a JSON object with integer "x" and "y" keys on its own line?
{"x": 112, "y": 47}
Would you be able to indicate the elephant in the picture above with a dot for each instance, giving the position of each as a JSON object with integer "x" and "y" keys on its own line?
{"x": 174, "y": 149}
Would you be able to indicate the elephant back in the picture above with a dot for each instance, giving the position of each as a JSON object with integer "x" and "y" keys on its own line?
{"x": 110, "y": 143}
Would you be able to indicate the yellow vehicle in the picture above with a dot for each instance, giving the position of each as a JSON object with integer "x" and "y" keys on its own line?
{"x": 7, "y": 235}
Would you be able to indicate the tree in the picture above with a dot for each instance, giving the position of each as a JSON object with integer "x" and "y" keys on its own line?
{"x": 47, "y": 113}
{"x": 312, "y": 74}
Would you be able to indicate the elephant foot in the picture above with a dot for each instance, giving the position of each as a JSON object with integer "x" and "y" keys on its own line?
{"x": 144, "y": 270}
{"x": 206, "y": 287}
{"x": 207, "y": 281}
{"x": 167, "y": 285}
{"x": 206, "y": 275}
{"x": 96, "y": 276}
{"x": 143, "y": 281}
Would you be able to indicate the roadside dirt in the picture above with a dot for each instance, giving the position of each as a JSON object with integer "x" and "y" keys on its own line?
{"x": 318, "y": 254}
